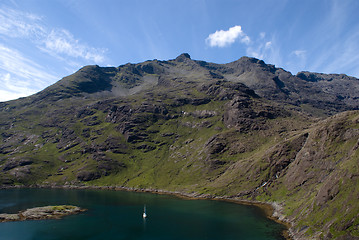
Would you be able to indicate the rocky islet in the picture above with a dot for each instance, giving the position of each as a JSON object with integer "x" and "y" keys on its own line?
{"x": 41, "y": 213}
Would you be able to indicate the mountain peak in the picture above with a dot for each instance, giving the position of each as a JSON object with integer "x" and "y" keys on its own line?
{"x": 251, "y": 60}
{"x": 183, "y": 57}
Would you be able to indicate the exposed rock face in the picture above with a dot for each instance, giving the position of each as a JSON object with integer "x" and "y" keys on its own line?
{"x": 245, "y": 130}
{"x": 245, "y": 114}
{"x": 87, "y": 175}
{"x": 343, "y": 87}
{"x": 284, "y": 154}
{"x": 317, "y": 169}
{"x": 224, "y": 90}
{"x": 216, "y": 144}
{"x": 329, "y": 92}
{"x": 16, "y": 163}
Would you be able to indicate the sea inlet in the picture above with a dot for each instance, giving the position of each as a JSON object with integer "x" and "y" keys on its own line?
{"x": 118, "y": 215}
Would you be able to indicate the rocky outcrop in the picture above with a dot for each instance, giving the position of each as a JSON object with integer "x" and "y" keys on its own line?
{"x": 87, "y": 175}
{"x": 13, "y": 163}
{"x": 226, "y": 90}
{"x": 245, "y": 114}
{"x": 40, "y": 213}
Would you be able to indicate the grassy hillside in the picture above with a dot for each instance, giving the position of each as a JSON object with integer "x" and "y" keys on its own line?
{"x": 183, "y": 126}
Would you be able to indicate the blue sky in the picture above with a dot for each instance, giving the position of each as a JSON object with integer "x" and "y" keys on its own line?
{"x": 42, "y": 41}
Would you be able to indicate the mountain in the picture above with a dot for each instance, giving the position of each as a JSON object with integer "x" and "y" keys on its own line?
{"x": 244, "y": 130}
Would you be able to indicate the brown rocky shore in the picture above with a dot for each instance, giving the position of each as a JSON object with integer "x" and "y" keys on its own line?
{"x": 40, "y": 213}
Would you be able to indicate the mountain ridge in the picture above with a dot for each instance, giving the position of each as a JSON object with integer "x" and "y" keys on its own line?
{"x": 314, "y": 89}
{"x": 244, "y": 130}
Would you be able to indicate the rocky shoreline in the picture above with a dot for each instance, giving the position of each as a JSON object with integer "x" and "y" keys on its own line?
{"x": 41, "y": 213}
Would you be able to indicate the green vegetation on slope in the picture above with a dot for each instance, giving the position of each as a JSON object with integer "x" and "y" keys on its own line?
{"x": 189, "y": 130}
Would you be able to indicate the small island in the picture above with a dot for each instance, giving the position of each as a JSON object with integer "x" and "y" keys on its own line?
{"x": 40, "y": 213}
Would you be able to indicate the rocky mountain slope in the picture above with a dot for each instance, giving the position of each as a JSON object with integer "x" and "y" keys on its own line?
{"x": 243, "y": 130}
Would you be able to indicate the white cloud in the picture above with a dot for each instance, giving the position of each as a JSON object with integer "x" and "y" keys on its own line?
{"x": 6, "y": 95}
{"x": 56, "y": 42}
{"x": 19, "y": 76}
{"x": 222, "y": 38}
{"x": 20, "y": 24}
{"x": 256, "y": 53}
{"x": 268, "y": 45}
{"x": 265, "y": 49}
{"x": 15, "y": 63}
{"x": 299, "y": 53}
{"x": 344, "y": 57}
{"x": 63, "y": 42}
{"x": 260, "y": 49}
{"x": 245, "y": 39}
{"x": 336, "y": 48}
{"x": 296, "y": 61}
{"x": 14, "y": 88}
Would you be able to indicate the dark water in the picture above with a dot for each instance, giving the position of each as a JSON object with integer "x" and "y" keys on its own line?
{"x": 118, "y": 215}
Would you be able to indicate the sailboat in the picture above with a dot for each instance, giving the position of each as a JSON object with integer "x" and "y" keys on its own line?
{"x": 144, "y": 215}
